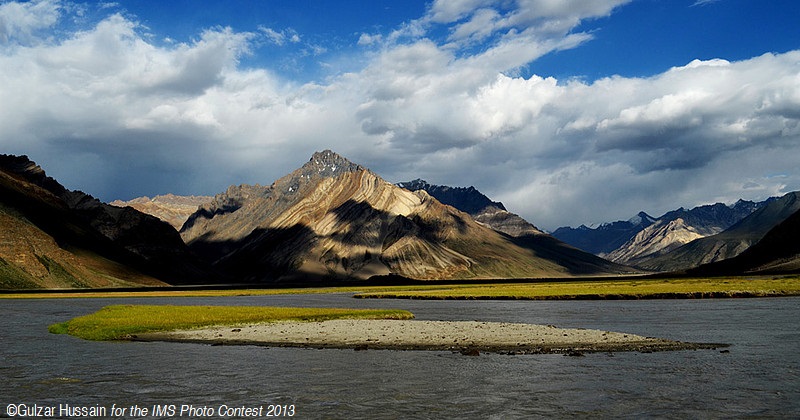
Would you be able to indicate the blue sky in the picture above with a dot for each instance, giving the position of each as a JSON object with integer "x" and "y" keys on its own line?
{"x": 643, "y": 38}
{"x": 570, "y": 112}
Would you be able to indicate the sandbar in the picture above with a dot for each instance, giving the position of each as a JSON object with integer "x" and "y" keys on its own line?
{"x": 467, "y": 337}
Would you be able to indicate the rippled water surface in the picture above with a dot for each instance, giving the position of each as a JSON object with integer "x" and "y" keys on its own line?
{"x": 758, "y": 377}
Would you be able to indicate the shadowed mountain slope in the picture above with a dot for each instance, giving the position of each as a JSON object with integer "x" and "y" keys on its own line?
{"x": 53, "y": 237}
{"x": 333, "y": 218}
{"x": 777, "y": 252}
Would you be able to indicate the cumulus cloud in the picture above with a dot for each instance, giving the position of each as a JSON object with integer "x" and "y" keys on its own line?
{"x": 108, "y": 111}
{"x": 20, "y": 21}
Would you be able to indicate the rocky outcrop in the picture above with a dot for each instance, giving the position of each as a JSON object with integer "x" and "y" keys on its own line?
{"x": 332, "y": 218}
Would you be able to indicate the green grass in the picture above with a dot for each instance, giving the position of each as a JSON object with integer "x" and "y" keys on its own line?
{"x": 118, "y": 322}
{"x": 609, "y": 289}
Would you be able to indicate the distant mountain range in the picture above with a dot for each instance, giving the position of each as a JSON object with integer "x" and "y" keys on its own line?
{"x": 606, "y": 237}
{"x": 682, "y": 239}
{"x": 333, "y": 219}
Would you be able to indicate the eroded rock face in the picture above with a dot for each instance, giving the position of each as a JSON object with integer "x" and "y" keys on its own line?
{"x": 332, "y": 217}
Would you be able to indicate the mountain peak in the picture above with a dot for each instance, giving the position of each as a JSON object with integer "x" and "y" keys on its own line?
{"x": 329, "y": 163}
{"x": 641, "y": 218}
{"x": 417, "y": 184}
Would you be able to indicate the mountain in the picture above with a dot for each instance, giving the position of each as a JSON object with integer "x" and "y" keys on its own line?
{"x": 332, "y": 218}
{"x": 477, "y": 205}
{"x": 44, "y": 244}
{"x": 56, "y": 238}
{"x": 606, "y": 237}
{"x": 173, "y": 209}
{"x": 732, "y": 241}
{"x": 677, "y": 228}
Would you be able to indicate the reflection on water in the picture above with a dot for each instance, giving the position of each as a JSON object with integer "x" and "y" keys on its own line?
{"x": 758, "y": 377}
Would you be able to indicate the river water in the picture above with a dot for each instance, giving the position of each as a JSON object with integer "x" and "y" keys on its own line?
{"x": 759, "y": 375}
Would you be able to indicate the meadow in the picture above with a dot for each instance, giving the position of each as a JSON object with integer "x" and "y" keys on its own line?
{"x": 573, "y": 288}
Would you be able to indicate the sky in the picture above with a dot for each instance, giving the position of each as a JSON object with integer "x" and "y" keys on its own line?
{"x": 568, "y": 111}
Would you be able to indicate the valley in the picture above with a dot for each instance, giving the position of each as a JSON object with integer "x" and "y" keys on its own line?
{"x": 333, "y": 222}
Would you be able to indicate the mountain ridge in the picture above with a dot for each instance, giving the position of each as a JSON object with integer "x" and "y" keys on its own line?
{"x": 476, "y": 204}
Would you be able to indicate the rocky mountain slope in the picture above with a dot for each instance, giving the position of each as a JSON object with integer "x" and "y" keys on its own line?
{"x": 173, "y": 209}
{"x": 730, "y": 242}
{"x": 334, "y": 218}
{"x": 53, "y": 237}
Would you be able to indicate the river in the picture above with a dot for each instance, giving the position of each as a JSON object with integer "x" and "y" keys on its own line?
{"x": 758, "y": 376}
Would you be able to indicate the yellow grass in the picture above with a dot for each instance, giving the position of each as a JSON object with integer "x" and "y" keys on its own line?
{"x": 122, "y": 321}
{"x": 609, "y": 289}
{"x": 630, "y": 288}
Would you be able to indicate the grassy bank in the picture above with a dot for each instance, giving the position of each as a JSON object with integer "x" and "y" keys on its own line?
{"x": 601, "y": 289}
{"x": 123, "y": 321}
{"x": 579, "y": 288}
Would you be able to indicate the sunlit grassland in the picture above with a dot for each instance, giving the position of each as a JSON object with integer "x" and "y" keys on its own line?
{"x": 123, "y": 321}
{"x": 577, "y": 288}
{"x": 608, "y": 289}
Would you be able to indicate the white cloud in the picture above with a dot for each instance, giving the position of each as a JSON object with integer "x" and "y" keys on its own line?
{"x": 703, "y": 2}
{"x": 20, "y": 21}
{"x": 280, "y": 37}
{"x": 107, "y": 111}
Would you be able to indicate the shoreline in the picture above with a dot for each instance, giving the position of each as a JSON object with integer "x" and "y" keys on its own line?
{"x": 587, "y": 296}
{"x": 466, "y": 337}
